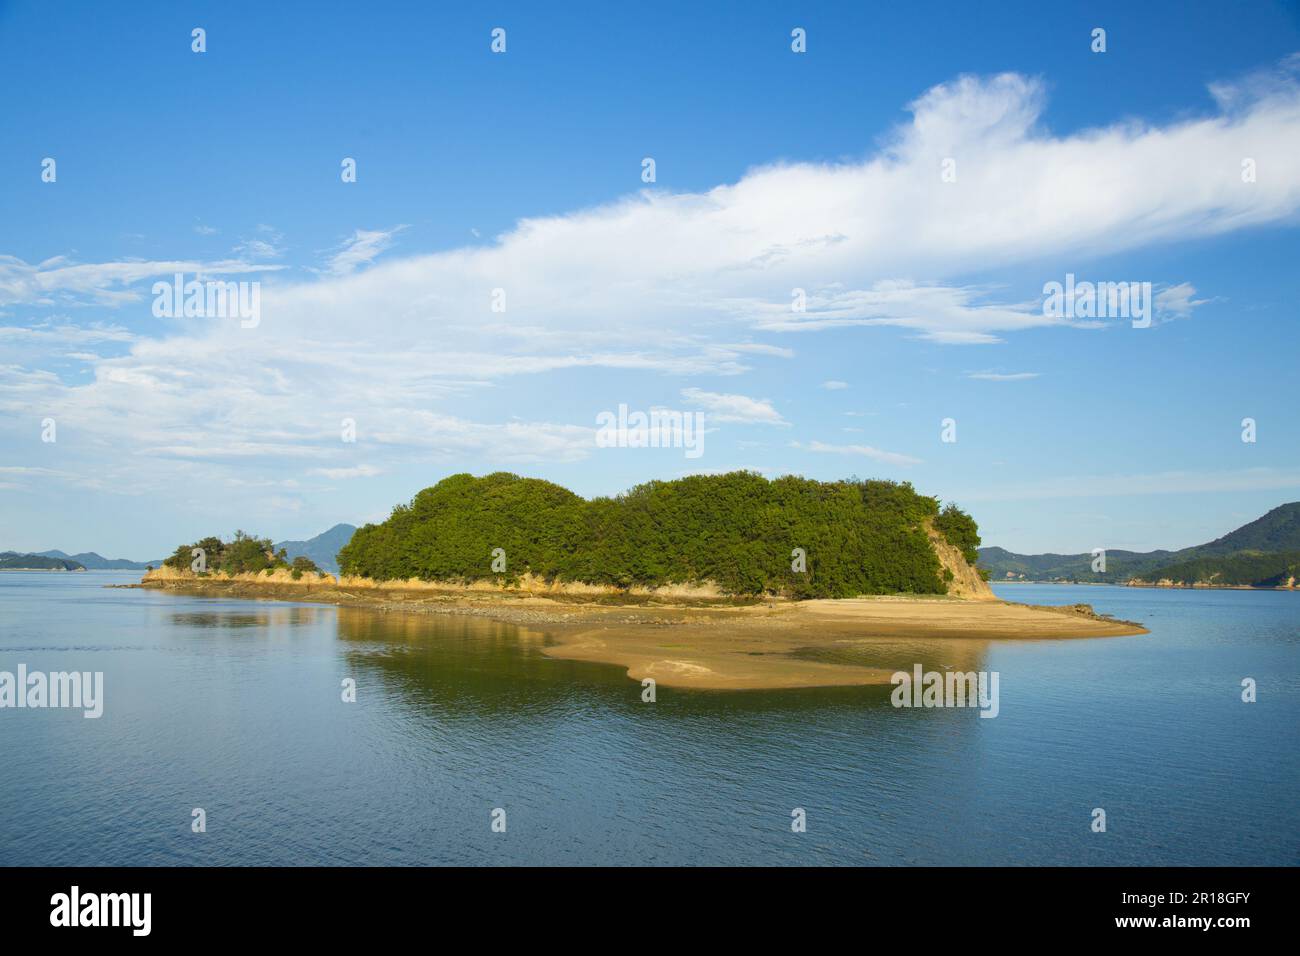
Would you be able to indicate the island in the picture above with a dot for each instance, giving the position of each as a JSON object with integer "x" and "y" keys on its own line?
{"x": 13, "y": 561}
{"x": 729, "y": 581}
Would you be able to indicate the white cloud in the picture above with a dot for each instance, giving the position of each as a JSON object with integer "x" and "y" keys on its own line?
{"x": 738, "y": 409}
{"x": 834, "y": 385}
{"x": 755, "y": 348}
{"x": 672, "y": 283}
{"x": 1003, "y": 376}
{"x": 65, "y": 333}
{"x": 875, "y": 454}
{"x": 1177, "y": 302}
{"x": 356, "y": 471}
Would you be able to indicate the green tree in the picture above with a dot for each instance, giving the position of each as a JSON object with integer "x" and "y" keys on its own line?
{"x": 960, "y": 530}
{"x": 738, "y": 530}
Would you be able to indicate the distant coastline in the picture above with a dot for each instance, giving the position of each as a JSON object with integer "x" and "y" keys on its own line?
{"x": 1205, "y": 586}
{"x": 1263, "y": 555}
{"x": 15, "y": 561}
{"x": 1170, "y": 585}
{"x": 55, "y": 570}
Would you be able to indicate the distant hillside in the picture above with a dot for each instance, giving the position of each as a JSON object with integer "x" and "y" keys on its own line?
{"x": 13, "y": 561}
{"x": 1275, "y": 534}
{"x": 1279, "y": 530}
{"x": 322, "y": 549}
{"x": 94, "y": 562}
{"x": 1004, "y": 565}
{"x": 738, "y": 531}
{"x": 1275, "y": 569}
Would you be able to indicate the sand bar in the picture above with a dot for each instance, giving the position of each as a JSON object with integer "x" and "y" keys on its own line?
{"x": 769, "y": 644}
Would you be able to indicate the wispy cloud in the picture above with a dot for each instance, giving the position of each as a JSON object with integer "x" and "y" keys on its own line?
{"x": 953, "y": 315}
{"x": 66, "y": 333}
{"x": 867, "y": 451}
{"x": 356, "y": 471}
{"x": 361, "y": 248}
{"x": 1003, "y": 376}
{"x": 267, "y": 244}
{"x": 61, "y": 282}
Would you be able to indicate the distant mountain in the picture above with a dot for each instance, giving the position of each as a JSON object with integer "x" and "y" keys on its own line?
{"x": 320, "y": 549}
{"x": 13, "y": 561}
{"x": 323, "y": 549}
{"x": 1272, "y": 535}
{"x": 95, "y": 562}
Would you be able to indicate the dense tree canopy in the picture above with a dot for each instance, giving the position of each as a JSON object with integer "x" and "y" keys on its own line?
{"x": 739, "y": 530}
{"x": 245, "y": 554}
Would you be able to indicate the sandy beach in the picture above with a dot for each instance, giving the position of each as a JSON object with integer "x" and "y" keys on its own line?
{"x": 823, "y": 643}
{"x": 707, "y": 644}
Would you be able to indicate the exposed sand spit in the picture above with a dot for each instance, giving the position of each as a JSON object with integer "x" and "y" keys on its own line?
{"x": 708, "y": 645}
{"x": 823, "y": 643}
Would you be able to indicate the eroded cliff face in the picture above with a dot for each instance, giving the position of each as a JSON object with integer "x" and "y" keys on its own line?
{"x": 966, "y": 582}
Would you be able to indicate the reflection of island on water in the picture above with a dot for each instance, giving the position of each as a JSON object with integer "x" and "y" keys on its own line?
{"x": 456, "y": 666}
{"x": 463, "y": 668}
{"x": 895, "y": 654}
{"x": 268, "y": 618}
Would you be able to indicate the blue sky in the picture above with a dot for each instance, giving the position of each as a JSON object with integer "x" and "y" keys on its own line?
{"x": 522, "y": 171}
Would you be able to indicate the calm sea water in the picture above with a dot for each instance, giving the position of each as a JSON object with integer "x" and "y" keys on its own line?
{"x": 234, "y": 706}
